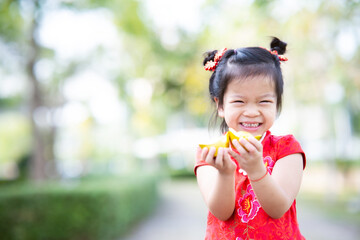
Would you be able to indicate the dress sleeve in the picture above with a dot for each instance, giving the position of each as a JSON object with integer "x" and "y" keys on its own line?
{"x": 289, "y": 145}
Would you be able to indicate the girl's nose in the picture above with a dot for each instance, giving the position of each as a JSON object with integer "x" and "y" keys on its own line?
{"x": 251, "y": 112}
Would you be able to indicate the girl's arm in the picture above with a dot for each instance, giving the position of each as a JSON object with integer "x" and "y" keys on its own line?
{"x": 275, "y": 192}
{"x": 217, "y": 182}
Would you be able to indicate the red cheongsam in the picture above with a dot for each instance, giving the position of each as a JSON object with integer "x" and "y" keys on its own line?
{"x": 249, "y": 220}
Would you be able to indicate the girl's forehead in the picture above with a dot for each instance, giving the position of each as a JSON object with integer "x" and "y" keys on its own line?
{"x": 260, "y": 83}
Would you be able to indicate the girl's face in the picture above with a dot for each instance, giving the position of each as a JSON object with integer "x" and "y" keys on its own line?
{"x": 249, "y": 105}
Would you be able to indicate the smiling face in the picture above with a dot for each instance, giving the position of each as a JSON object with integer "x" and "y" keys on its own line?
{"x": 249, "y": 105}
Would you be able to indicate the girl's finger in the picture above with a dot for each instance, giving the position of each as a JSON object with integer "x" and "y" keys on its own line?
{"x": 248, "y": 146}
{"x": 239, "y": 147}
{"x": 204, "y": 153}
{"x": 257, "y": 144}
{"x": 198, "y": 153}
{"x": 219, "y": 161}
{"x": 227, "y": 159}
{"x": 210, "y": 156}
{"x": 233, "y": 154}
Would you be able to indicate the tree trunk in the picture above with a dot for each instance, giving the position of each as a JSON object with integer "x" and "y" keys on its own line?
{"x": 37, "y": 161}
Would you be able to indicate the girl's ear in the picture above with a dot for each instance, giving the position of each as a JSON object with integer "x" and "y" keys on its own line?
{"x": 220, "y": 109}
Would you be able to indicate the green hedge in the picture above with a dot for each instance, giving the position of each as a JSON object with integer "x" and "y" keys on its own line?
{"x": 83, "y": 210}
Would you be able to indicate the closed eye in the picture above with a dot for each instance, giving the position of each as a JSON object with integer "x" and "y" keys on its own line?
{"x": 266, "y": 101}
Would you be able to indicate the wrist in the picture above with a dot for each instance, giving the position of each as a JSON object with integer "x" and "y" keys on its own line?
{"x": 259, "y": 179}
{"x": 227, "y": 174}
{"x": 258, "y": 175}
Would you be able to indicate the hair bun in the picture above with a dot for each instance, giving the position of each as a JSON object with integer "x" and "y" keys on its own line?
{"x": 278, "y": 45}
{"x": 209, "y": 56}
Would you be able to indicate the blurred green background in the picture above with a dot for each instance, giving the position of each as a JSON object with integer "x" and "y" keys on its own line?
{"x": 95, "y": 88}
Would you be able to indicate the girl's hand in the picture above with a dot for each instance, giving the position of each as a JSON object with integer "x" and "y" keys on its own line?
{"x": 222, "y": 162}
{"x": 250, "y": 157}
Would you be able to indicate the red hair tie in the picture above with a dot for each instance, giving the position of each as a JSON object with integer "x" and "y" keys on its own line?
{"x": 274, "y": 52}
{"x": 211, "y": 65}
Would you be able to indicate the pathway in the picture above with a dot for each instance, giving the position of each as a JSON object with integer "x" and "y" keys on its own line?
{"x": 181, "y": 215}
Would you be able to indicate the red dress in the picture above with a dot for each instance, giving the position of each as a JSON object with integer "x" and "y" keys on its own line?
{"x": 249, "y": 220}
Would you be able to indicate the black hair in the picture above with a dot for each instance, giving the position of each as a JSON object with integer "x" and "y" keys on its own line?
{"x": 242, "y": 63}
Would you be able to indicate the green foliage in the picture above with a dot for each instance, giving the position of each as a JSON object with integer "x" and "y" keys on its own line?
{"x": 10, "y": 102}
{"x": 345, "y": 165}
{"x": 15, "y": 137}
{"x": 89, "y": 209}
{"x": 183, "y": 173}
{"x": 129, "y": 18}
{"x": 11, "y": 22}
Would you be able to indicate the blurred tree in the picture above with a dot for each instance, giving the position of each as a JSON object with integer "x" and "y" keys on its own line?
{"x": 19, "y": 29}
{"x": 168, "y": 71}
{"x": 165, "y": 70}
{"x": 20, "y": 22}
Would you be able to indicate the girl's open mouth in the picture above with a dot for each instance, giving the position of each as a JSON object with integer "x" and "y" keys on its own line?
{"x": 250, "y": 125}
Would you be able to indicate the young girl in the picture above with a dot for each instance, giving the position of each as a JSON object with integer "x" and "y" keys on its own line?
{"x": 250, "y": 188}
